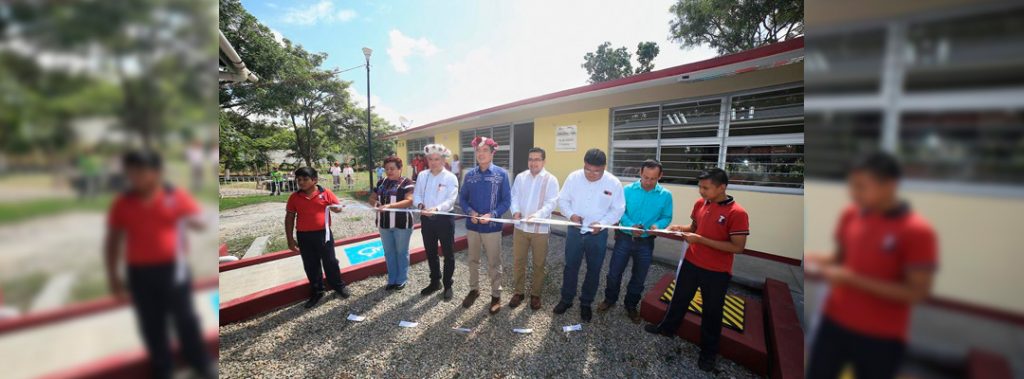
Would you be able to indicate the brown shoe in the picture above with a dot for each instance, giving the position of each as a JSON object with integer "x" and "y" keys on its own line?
{"x": 516, "y": 300}
{"x": 603, "y": 307}
{"x": 535, "y": 302}
{"x": 495, "y": 304}
{"x": 470, "y": 298}
{"x": 633, "y": 315}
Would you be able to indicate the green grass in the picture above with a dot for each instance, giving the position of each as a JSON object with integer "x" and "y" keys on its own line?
{"x": 19, "y": 291}
{"x": 235, "y": 202}
{"x": 21, "y": 211}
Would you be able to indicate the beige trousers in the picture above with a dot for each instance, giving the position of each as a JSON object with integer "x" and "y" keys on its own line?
{"x": 522, "y": 244}
{"x": 491, "y": 243}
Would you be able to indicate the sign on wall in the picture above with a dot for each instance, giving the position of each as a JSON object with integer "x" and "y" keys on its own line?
{"x": 565, "y": 138}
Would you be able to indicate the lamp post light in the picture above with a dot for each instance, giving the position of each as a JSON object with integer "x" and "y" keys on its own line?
{"x": 369, "y": 135}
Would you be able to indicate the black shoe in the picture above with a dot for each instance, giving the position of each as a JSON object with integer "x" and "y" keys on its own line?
{"x": 633, "y": 315}
{"x": 399, "y": 287}
{"x": 433, "y": 287}
{"x": 343, "y": 292}
{"x": 561, "y": 308}
{"x": 706, "y": 362}
{"x": 314, "y": 299}
{"x": 585, "y": 314}
{"x": 389, "y": 287}
{"x": 448, "y": 294}
{"x": 653, "y": 328}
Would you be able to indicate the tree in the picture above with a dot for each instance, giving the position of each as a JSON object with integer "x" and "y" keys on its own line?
{"x": 645, "y": 53}
{"x": 607, "y": 63}
{"x": 729, "y": 26}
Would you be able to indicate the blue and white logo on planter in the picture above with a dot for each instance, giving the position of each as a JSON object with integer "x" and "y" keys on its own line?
{"x": 364, "y": 252}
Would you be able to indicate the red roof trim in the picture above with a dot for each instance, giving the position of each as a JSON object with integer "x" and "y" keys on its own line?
{"x": 760, "y": 52}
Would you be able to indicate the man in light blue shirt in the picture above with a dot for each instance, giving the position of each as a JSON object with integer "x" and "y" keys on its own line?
{"x": 648, "y": 206}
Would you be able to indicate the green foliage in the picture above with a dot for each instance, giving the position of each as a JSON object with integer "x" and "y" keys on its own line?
{"x": 607, "y": 63}
{"x": 730, "y": 26}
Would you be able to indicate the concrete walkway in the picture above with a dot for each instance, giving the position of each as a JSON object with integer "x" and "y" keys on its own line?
{"x": 59, "y": 346}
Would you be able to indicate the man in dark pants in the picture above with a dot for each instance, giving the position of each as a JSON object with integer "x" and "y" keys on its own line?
{"x": 648, "y": 206}
{"x": 886, "y": 259}
{"x": 590, "y": 197}
{"x": 718, "y": 230}
{"x": 436, "y": 191}
{"x": 147, "y": 218}
{"x": 305, "y": 214}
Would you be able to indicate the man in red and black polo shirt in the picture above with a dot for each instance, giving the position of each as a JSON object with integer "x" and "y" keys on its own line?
{"x": 886, "y": 259}
{"x": 718, "y": 230}
{"x": 305, "y": 214}
{"x": 149, "y": 218}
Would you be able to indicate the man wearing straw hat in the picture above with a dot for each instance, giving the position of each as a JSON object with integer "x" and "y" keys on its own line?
{"x": 436, "y": 190}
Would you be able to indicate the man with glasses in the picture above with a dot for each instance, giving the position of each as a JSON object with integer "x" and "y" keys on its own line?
{"x": 590, "y": 197}
{"x": 534, "y": 195}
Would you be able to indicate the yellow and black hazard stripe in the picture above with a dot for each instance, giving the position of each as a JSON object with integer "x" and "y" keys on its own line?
{"x": 732, "y": 312}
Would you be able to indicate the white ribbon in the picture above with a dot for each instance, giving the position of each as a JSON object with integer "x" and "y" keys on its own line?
{"x": 548, "y": 221}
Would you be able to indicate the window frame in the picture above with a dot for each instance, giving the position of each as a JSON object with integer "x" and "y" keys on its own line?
{"x": 722, "y": 139}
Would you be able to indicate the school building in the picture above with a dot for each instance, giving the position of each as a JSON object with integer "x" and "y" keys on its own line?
{"x": 742, "y": 112}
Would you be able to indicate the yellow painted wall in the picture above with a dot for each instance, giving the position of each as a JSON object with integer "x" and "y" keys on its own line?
{"x": 980, "y": 257}
{"x": 591, "y": 131}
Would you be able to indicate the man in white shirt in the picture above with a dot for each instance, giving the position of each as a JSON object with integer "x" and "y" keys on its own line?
{"x": 350, "y": 175}
{"x": 436, "y": 191}
{"x": 336, "y": 173}
{"x": 534, "y": 195}
{"x": 590, "y": 197}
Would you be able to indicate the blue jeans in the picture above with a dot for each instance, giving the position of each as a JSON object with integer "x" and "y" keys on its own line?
{"x": 396, "y": 253}
{"x": 580, "y": 247}
{"x": 626, "y": 248}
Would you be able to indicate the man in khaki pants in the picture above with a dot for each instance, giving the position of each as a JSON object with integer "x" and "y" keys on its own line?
{"x": 486, "y": 194}
{"x": 534, "y": 194}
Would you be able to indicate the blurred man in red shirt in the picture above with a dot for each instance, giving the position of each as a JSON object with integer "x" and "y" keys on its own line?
{"x": 886, "y": 258}
{"x": 149, "y": 218}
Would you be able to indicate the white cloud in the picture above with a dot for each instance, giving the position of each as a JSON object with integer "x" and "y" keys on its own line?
{"x": 379, "y": 107}
{"x": 277, "y": 36}
{"x": 520, "y": 62}
{"x": 321, "y": 11}
{"x": 402, "y": 47}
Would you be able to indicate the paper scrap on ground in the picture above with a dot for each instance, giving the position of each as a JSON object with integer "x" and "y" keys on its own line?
{"x": 462, "y": 330}
{"x": 571, "y": 328}
{"x": 408, "y": 324}
{"x": 522, "y": 331}
{"x": 355, "y": 317}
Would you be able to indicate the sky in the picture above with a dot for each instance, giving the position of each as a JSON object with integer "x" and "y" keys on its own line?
{"x": 437, "y": 59}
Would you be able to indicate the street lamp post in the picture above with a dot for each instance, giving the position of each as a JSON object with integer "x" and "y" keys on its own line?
{"x": 369, "y": 135}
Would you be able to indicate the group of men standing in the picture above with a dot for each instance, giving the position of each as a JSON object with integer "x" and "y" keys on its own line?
{"x": 593, "y": 199}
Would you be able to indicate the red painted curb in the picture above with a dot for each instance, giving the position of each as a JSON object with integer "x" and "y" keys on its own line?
{"x": 80, "y": 309}
{"x": 987, "y": 365}
{"x": 228, "y": 266}
{"x": 255, "y": 304}
{"x": 785, "y": 336}
{"x": 131, "y": 364}
{"x": 747, "y": 348}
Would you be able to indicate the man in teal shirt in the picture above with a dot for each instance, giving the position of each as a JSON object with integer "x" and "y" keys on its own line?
{"x": 648, "y": 206}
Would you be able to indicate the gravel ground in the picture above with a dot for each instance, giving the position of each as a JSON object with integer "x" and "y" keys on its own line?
{"x": 240, "y": 226}
{"x": 296, "y": 342}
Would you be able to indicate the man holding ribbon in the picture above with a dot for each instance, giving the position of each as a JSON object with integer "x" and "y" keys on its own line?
{"x": 648, "y": 206}
{"x": 436, "y": 190}
{"x": 718, "y": 231}
{"x": 307, "y": 214}
{"x": 591, "y": 197}
{"x": 534, "y": 196}
{"x": 485, "y": 195}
